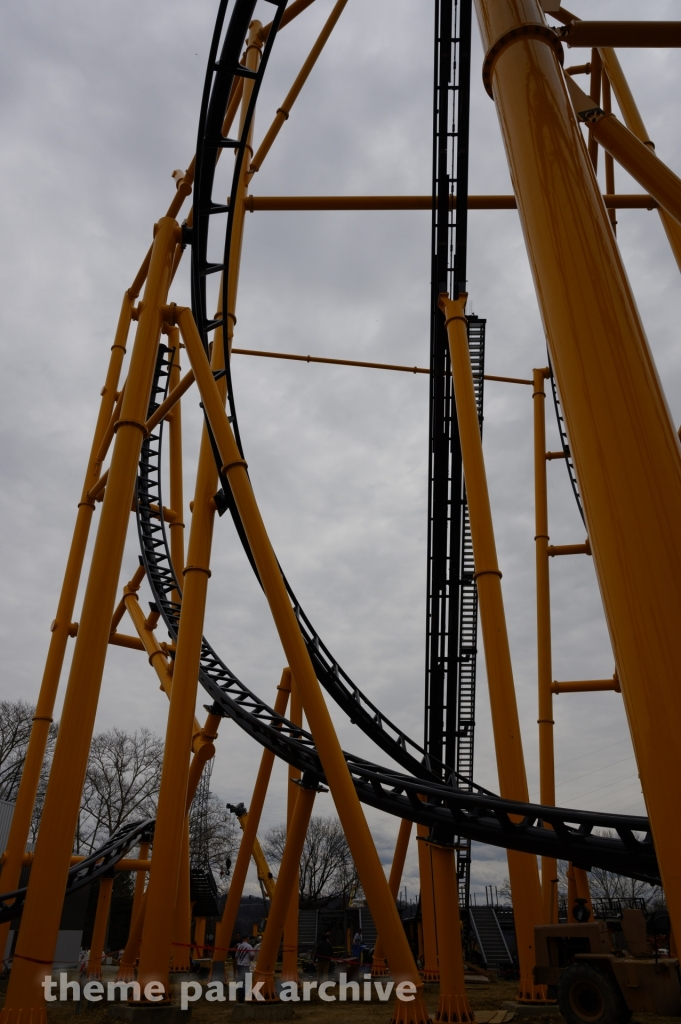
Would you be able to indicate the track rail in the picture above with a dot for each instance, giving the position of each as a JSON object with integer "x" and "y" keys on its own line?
{"x": 565, "y": 444}
{"x": 477, "y": 813}
{"x": 336, "y": 681}
{"x": 99, "y": 863}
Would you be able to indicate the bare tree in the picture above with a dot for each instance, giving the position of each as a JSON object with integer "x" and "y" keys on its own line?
{"x": 327, "y": 870}
{"x": 610, "y": 886}
{"x": 214, "y": 838}
{"x": 16, "y": 722}
{"x": 121, "y": 784}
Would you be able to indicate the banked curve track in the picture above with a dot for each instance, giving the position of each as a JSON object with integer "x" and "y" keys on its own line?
{"x": 574, "y": 835}
{"x": 96, "y": 865}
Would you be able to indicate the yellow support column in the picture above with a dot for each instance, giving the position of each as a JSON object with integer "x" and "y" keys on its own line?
{"x": 639, "y": 160}
{"x": 379, "y": 968}
{"x": 582, "y": 886}
{"x": 42, "y": 911}
{"x": 199, "y": 936}
{"x": 155, "y": 952}
{"x": 288, "y": 873}
{"x": 180, "y": 956}
{"x": 431, "y": 971}
{"x": 289, "y": 967}
{"x": 126, "y": 967}
{"x": 35, "y": 753}
{"x": 522, "y": 868}
{"x": 453, "y": 1005}
{"x": 547, "y": 781}
{"x": 362, "y": 848}
{"x": 94, "y": 964}
{"x": 284, "y": 110}
{"x": 634, "y": 122}
{"x": 223, "y": 933}
{"x": 608, "y": 161}
{"x": 623, "y": 442}
{"x": 170, "y": 818}
{"x": 176, "y": 528}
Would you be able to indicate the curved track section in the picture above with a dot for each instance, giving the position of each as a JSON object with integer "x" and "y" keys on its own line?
{"x": 219, "y": 82}
{"x": 99, "y": 863}
{"x": 480, "y": 815}
{"x": 565, "y": 444}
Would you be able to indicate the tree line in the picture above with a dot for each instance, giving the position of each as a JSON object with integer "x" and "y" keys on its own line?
{"x": 122, "y": 782}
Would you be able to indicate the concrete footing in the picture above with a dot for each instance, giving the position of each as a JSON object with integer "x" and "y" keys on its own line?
{"x": 533, "y": 1009}
{"x": 149, "y": 1014}
{"x": 263, "y": 1011}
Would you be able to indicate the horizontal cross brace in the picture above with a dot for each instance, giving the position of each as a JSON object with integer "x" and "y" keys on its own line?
{"x": 501, "y": 202}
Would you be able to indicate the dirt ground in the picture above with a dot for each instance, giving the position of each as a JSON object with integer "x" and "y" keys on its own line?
{"x": 482, "y": 997}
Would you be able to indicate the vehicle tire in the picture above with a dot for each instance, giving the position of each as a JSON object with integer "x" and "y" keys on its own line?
{"x": 589, "y": 996}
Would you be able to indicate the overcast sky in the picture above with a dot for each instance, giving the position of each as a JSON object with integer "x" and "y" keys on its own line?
{"x": 99, "y": 105}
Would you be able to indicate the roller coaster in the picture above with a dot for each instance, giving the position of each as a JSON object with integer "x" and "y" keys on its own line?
{"x": 449, "y": 808}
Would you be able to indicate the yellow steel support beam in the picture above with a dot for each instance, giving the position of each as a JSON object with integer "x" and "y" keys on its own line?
{"x": 357, "y": 362}
{"x": 42, "y": 910}
{"x": 622, "y": 33}
{"x": 124, "y": 864}
{"x": 547, "y": 780}
{"x": 587, "y": 686}
{"x": 291, "y": 12}
{"x": 636, "y": 158}
{"x": 632, "y": 119}
{"x": 379, "y": 968}
{"x": 223, "y": 934}
{"x": 284, "y": 110}
{"x": 453, "y": 1004}
{"x": 60, "y": 629}
{"x": 558, "y": 550}
{"x": 349, "y": 809}
{"x": 163, "y": 884}
{"x": 180, "y": 955}
{"x": 430, "y": 971}
{"x": 289, "y": 967}
{"x": 286, "y": 882}
{"x": 608, "y": 162}
{"x": 126, "y": 966}
{"x": 623, "y": 442}
{"x": 94, "y": 964}
{"x": 523, "y": 871}
{"x": 595, "y": 93}
{"x": 292, "y": 203}
{"x": 169, "y": 403}
{"x": 634, "y": 122}
{"x": 176, "y": 528}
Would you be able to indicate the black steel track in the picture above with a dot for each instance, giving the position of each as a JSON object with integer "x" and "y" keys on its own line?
{"x": 477, "y": 814}
{"x": 471, "y": 812}
{"x": 565, "y": 445}
{"x": 451, "y": 592}
{"x": 363, "y": 712}
{"x": 99, "y": 863}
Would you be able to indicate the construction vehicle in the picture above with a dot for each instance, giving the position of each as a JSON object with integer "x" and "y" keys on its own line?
{"x": 265, "y": 876}
{"x": 603, "y": 971}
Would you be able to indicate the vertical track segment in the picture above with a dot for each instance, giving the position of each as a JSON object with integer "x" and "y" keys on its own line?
{"x": 451, "y": 618}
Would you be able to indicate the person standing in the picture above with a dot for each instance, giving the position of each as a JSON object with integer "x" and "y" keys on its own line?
{"x": 357, "y": 945}
{"x": 243, "y": 957}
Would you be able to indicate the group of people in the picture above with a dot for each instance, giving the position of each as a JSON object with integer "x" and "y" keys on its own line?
{"x": 246, "y": 952}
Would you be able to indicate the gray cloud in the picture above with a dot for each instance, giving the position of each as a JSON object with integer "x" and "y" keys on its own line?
{"x": 98, "y": 106}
